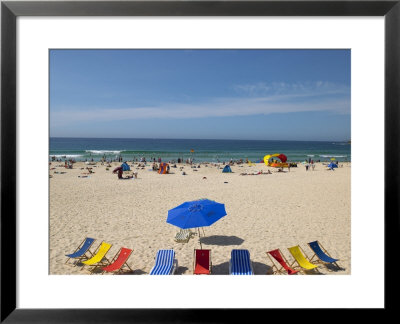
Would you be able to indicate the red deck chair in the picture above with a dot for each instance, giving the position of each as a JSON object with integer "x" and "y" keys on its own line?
{"x": 278, "y": 256}
{"x": 117, "y": 264}
{"x": 202, "y": 262}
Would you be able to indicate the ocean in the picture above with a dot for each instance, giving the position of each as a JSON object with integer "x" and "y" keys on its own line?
{"x": 200, "y": 150}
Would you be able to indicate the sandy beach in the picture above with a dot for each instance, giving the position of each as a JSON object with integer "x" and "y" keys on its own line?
{"x": 264, "y": 212}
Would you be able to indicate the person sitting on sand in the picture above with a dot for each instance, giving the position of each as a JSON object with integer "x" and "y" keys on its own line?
{"x": 118, "y": 170}
{"x": 120, "y": 177}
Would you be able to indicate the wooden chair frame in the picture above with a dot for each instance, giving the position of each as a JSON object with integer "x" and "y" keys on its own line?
{"x": 209, "y": 263}
{"x": 124, "y": 265}
{"x": 282, "y": 270}
{"x": 84, "y": 256}
{"x": 299, "y": 267}
{"x": 318, "y": 260}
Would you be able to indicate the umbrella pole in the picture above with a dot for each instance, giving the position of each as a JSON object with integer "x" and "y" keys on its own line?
{"x": 198, "y": 228}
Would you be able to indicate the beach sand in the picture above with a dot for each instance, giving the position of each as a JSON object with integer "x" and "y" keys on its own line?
{"x": 264, "y": 212}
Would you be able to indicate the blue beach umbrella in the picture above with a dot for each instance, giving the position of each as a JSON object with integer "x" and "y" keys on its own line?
{"x": 197, "y": 213}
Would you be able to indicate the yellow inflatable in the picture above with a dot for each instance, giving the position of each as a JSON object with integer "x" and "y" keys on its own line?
{"x": 267, "y": 157}
{"x": 276, "y": 164}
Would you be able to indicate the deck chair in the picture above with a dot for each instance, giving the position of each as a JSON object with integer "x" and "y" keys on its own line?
{"x": 301, "y": 258}
{"x": 118, "y": 263}
{"x": 99, "y": 256}
{"x": 82, "y": 251}
{"x": 166, "y": 263}
{"x": 202, "y": 262}
{"x": 284, "y": 264}
{"x": 321, "y": 253}
{"x": 240, "y": 263}
{"x": 183, "y": 236}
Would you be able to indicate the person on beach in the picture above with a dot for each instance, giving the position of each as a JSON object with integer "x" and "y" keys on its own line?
{"x": 119, "y": 171}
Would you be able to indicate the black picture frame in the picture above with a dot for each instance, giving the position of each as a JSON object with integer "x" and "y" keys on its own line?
{"x": 10, "y": 10}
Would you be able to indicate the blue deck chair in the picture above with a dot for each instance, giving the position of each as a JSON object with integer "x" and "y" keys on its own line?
{"x": 321, "y": 253}
{"x": 165, "y": 263}
{"x": 81, "y": 250}
{"x": 240, "y": 263}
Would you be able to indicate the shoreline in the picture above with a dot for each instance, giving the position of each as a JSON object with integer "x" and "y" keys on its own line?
{"x": 194, "y": 161}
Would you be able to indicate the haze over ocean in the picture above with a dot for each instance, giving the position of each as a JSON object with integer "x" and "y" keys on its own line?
{"x": 82, "y": 149}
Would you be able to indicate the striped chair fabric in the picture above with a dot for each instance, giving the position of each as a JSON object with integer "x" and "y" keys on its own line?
{"x": 164, "y": 263}
{"x": 240, "y": 263}
{"x": 183, "y": 236}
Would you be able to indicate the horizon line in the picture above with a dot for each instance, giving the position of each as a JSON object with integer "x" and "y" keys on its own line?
{"x": 202, "y": 139}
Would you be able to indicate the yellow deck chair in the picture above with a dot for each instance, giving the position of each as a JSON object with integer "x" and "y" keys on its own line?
{"x": 99, "y": 256}
{"x": 301, "y": 258}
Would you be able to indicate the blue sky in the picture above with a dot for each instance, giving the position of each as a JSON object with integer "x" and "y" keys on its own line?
{"x": 221, "y": 94}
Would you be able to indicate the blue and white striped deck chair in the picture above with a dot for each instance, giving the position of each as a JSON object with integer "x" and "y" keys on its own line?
{"x": 240, "y": 263}
{"x": 165, "y": 263}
